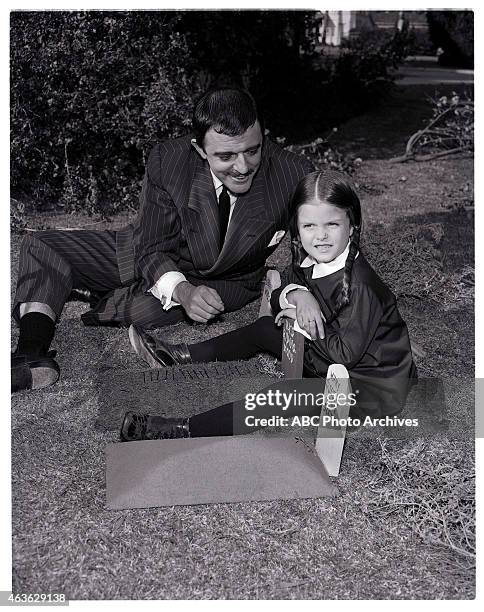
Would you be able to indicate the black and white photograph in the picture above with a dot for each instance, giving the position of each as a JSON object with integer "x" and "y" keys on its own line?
{"x": 242, "y": 271}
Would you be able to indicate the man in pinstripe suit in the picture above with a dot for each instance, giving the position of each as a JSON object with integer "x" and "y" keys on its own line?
{"x": 182, "y": 258}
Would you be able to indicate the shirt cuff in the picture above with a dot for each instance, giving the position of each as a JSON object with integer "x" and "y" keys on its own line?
{"x": 164, "y": 287}
{"x": 283, "y": 303}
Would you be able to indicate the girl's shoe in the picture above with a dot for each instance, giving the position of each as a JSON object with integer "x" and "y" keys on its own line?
{"x": 152, "y": 427}
{"x": 155, "y": 352}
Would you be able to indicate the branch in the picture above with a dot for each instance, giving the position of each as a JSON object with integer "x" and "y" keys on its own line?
{"x": 414, "y": 157}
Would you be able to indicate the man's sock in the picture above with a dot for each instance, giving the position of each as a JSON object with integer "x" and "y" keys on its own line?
{"x": 36, "y": 333}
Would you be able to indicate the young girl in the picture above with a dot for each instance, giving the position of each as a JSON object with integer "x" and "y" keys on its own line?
{"x": 349, "y": 316}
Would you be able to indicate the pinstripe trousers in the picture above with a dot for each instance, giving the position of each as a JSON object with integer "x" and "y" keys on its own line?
{"x": 54, "y": 262}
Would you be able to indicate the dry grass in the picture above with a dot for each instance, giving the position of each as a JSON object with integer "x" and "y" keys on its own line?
{"x": 403, "y": 524}
{"x": 432, "y": 484}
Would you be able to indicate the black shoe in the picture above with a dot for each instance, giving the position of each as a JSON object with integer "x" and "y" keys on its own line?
{"x": 152, "y": 427}
{"x": 89, "y": 296}
{"x": 33, "y": 371}
{"x": 155, "y": 352}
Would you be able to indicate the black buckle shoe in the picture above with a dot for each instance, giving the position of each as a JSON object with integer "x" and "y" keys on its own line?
{"x": 33, "y": 372}
{"x": 152, "y": 427}
{"x": 155, "y": 352}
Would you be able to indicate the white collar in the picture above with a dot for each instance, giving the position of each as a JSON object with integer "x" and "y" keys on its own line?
{"x": 325, "y": 269}
{"x": 217, "y": 183}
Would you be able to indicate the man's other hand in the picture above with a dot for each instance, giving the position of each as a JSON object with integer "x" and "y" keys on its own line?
{"x": 200, "y": 303}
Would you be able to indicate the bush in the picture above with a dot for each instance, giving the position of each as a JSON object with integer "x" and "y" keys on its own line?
{"x": 359, "y": 76}
{"x": 268, "y": 52}
{"x": 450, "y": 130}
{"x": 453, "y": 32}
{"x": 89, "y": 92}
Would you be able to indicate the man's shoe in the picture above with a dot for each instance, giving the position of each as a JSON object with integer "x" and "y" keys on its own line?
{"x": 89, "y": 296}
{"x": 33, "y": 372}
{"x": 152, "y": 427}
{"x": 155, "y": 352}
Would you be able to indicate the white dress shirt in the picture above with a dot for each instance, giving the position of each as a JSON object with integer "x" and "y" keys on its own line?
{"x": 165, "y": 286}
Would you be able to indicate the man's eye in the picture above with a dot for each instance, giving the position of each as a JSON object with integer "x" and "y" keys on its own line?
{"x": 227, "y": 157}
{"x": 253, "y": 151}
{"x": 334, "y": 224}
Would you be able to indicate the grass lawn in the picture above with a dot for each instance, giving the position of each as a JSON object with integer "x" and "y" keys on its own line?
{"x": 402, "y": 526}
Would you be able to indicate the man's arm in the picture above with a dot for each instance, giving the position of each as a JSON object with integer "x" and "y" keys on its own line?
{"x": 157, "y": 250}
{"x": 157, "y": 234}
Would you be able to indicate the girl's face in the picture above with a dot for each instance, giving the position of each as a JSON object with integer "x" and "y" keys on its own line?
{"x": 324, "y": 230}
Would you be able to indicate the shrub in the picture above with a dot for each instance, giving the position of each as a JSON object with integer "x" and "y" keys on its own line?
{"x": 268, "y": 52}
{"x": 450, "y": 130}
{"x": 453, "y": 32}
{"x": 359, "y": 76}
{"x": 89, "y": 92}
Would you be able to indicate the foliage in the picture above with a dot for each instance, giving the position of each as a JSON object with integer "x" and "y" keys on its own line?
{"x": 89, "y": 92}
{"x": 450, "y": 130}
{"x": 323, "y": 155}
{"x": 360, "y": 76}
{"x": 419, "y": 43}
{"x": 453, "y": 32}
{"x": 268, "y": 52}
{"x": 17, "y": 216}
{"x": 452, "y": 123}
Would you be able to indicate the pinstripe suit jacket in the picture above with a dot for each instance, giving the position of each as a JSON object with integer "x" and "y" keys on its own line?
{"x": 177, "y": 227}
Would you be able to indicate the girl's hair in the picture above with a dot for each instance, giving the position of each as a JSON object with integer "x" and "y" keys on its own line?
{"x": 338, "y": 190}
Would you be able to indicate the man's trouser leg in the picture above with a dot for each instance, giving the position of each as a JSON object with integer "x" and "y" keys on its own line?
{"x": 54, "y": 262}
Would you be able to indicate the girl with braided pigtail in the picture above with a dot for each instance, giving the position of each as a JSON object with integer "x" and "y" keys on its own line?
{"x": 336, "y": 299}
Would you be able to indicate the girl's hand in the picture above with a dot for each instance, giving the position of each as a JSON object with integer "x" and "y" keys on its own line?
{"x": 290, "y": 313}
{"x": 308, "y": 312}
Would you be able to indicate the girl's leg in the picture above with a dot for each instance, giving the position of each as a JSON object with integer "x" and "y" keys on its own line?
{"x": 261, "y": 336}
{"x": 230, "y": 419}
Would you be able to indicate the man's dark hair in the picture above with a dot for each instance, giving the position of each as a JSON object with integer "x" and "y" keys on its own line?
{"x": 227, "y": 110}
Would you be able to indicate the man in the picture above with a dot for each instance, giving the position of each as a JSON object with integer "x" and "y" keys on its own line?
{"x": 212, "y": 209}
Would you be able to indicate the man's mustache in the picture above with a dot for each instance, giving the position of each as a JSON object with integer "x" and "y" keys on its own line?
{"x": 239, "y": 175}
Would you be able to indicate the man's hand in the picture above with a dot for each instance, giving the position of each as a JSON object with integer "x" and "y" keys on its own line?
{"x": 200, "y": 303}
{"x": 308, "y": 312}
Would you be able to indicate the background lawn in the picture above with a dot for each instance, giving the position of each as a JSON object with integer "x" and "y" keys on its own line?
{"x": 403, "y": 524}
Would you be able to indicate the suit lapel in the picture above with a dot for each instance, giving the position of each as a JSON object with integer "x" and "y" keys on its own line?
{"x": 247, "y": 224}
{"x": 201, "y": 217}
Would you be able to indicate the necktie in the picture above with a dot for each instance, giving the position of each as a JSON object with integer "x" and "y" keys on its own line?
{"x": 223, "y": 214}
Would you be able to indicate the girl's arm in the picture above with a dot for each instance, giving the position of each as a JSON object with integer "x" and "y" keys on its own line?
{"x": 299, "y": 298}
{"x": 348, "y": 337}
{"x": 287, "y": 277}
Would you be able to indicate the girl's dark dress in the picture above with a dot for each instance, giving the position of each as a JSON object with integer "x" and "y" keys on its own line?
{"x": 369, "y": 337}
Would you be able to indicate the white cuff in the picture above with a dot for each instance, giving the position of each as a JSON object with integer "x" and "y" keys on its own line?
{"x": 283, "y": 303}
{"x": 164, "y": 287}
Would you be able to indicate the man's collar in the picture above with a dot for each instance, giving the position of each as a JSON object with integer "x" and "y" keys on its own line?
{"x": 217, "y": 183}
{"x": 325, "y": 269}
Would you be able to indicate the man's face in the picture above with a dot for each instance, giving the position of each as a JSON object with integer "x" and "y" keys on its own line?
{"x": 234, "y": 159}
